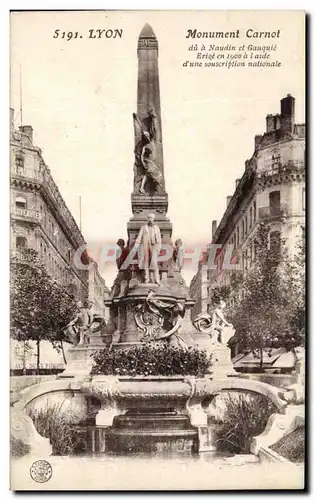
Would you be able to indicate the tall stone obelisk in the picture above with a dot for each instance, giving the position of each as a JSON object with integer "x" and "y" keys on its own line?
{"x": 149, "y": 196}
{"x": 133, "y": 317}
{"x": 149, "y": 87}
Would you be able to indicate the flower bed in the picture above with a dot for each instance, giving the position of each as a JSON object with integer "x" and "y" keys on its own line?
{"x": 151, "y": 360}
{"x": 291, "y": 446}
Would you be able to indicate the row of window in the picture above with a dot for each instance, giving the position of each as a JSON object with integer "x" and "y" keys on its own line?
{"x": 52, "y": 229}
{"x": 249, "y": 255}
{"x": 247, "y": 223}
{"x": 272, "y": 162}
{"x": 56, "y": 270}
{"x": 251, "y": 217}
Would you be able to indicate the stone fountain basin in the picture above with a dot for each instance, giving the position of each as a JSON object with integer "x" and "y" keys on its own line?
{"x": 148, "y": 414}
{"x": 141, "y": 393}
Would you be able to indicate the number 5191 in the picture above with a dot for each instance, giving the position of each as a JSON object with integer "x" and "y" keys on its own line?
{"x": 67, "y": 35}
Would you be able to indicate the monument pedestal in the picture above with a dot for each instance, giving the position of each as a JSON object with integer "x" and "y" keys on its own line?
{"x": 79, "y": 358}
{"x": 155, "y": 432}
{"x": 222, "y": 363}
{"x": 153, "y": 414}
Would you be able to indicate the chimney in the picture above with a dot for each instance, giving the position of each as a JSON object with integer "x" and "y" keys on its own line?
{"x": 11, "y": 117}
{"x": 27, "y": 130}
{"x": 214, "y": 227}
{"x": 257, "y": 140}
{"x": 270, "y": 123}
{"x": 287, "y": 117}
{"x": 237, "y": 181}
{"x": 228, "y": 199}
{"x": 277, "y": 121}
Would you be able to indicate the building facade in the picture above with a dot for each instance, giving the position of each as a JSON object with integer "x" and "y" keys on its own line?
{"x": 98, "y": 291}
{"x": 40, "y": 218}
{"x": 271, "y": 189}
{"x": 200, "y": 289}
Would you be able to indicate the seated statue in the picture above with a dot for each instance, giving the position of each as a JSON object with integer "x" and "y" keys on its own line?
{"x": 219, "y": 329}
{"x": 83, "y": 324}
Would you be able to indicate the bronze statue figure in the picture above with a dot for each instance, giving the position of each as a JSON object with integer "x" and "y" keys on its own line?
{"x": 83, "y": 324}
{"x": 145, "y": 168}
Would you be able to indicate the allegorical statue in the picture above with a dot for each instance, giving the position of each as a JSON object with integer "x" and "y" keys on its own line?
{"x": 146, "y": 167}
{"x": 149, "y": 243}
{"x": 83, "y": 324}
{"x": 178, "y": 256}
{"x": 176, "y": 263}
{"x": 219, "y": 329}
{"x": 123, "y": 274}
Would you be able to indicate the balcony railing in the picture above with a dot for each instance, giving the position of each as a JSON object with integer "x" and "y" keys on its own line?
{"x": 27, "y": 173}
{"x": 27, "y": 213}
{"x": 274, "y": 167}
{"x": 271, "y": 213}
{"x": 45, "y": 178}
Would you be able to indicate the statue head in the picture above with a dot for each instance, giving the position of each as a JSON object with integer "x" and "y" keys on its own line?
{"x": 222, "y": 304}
{"x": 146, "y": 135}
{"x": 178, "y": 242}
{"x": 121, "y": 243}
{"x": 151, "y": 218}
{"x": 79, "y": 304}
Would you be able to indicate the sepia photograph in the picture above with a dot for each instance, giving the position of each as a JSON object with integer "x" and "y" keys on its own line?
{"x": 157, "y": 250}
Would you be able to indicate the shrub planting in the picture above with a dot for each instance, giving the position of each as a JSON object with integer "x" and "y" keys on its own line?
{"x": 152, "y": 360}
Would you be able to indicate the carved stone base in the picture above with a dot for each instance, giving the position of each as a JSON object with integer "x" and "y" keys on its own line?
{"x": 126, "y": 345}
{"x": 153, "y": 432}
{"x": 222, "y": 363}
{"x": 205, "y": 439}
{"x": 23, "y": 430}
{"x": 278, "y": 426}
{"x": 79, "y": 360}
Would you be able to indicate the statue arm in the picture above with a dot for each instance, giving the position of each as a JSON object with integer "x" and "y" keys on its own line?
{"x": 142, "y": 156}
{"x": 74, "y": 320}
{"x": 137, "y": 126}
{"x": 222, "y": 318}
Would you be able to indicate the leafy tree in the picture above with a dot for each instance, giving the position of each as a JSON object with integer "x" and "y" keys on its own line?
{"x": 298, "y": 270}
{"x": 40, "y": 307}
{"x": 267, "y": 312}
{"x": 220, "y": 293}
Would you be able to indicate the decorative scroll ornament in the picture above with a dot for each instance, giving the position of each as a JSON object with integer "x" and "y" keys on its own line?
{"x": 203, "y": 323}
{"x": 160, "y": 320}
{"x": 148, "y": 322}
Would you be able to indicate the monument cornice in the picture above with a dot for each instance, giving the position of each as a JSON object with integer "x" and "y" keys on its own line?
{"x": 22, "y": 183}
{"x": 284, "y": 175}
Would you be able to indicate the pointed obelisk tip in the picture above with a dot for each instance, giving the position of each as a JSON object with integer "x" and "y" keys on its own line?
{"x": 147, "y": 32}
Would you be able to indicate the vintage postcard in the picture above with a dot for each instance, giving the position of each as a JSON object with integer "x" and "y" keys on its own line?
{"x": 157, "y": 271}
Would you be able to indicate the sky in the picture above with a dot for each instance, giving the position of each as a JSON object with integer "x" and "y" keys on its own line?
{"x": 79, "y": 96}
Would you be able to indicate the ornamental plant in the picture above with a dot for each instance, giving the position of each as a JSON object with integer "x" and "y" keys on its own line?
{"x": 268, "y": 309}
{"x": 53, "y": 422}
{"x": 245, "y": 416}
{"x": 152, "y": 360}
{"x": 40, "y": 307}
